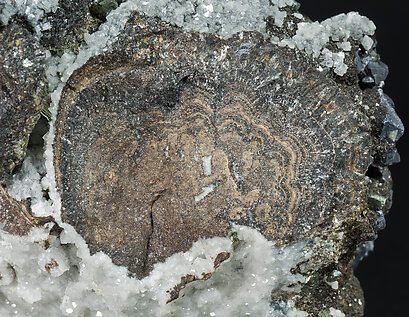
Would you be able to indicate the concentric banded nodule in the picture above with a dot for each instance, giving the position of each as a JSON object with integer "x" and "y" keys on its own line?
{"x": 174, "y": 136}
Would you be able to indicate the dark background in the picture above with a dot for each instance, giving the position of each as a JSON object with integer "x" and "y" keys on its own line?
{"x": 384, "y": 274}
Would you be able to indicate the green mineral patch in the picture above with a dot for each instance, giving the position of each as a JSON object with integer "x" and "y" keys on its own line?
{"x": 103, "y": 8}
{"x": 376, "y": 201}
{"x": 234, "y": 239}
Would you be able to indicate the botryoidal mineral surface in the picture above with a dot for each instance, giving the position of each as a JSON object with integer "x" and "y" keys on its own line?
{"x": 189, "y": 158}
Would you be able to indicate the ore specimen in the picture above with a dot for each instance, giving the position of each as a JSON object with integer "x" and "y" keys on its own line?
{"x": 199, "y": 158}
{"x": 280, "y": 138}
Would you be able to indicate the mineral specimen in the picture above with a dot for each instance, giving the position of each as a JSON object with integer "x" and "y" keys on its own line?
{"x": 204, "y": 162}
{"x": 136, "y": 125}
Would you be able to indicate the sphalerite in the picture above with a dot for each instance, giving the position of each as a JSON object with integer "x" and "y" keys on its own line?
{"x": 201, "y": 163}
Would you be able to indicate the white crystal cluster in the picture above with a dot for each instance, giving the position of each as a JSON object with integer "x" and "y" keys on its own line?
{"x": 64, "y": 280}
{"x": 226, "y": 18}
{"x": 221, "y": 17}
{"x": 313, "y": 37}
{"x": 29, "y": 184}
{"x": 33, "y": 10}
{"x": 336, "y": 312}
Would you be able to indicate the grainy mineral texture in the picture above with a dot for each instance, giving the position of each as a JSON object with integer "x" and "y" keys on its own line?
{"x": 198, "y": 161}
{"x": 22, "y": 83}
{"x": 67, "y": 24}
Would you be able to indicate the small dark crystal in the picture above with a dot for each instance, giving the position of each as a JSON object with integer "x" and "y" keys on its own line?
{"x": 378, "y": 70}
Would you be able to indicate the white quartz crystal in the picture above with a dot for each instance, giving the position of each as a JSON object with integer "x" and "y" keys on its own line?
{"x": 207, "y": 165}
{"x": 313, "y": 37}
{"x": 336, "y": 312}
{"x": 64, "y": 280}
{"x": 33, "y": 10}
{"x": 221, "y": 17}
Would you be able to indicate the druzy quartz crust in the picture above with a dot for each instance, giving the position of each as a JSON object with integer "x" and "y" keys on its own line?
{"x": 178, "y": 159}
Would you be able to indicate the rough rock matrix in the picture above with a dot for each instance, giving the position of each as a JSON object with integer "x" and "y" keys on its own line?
{"x": 179, "y": 159}
{"x": 22, "y": 79}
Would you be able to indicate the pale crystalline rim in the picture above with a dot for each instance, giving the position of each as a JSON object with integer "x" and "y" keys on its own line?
{"x": 65, "y": 279}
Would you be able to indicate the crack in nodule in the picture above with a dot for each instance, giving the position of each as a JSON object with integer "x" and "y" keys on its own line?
{"x": 150, "y": 215}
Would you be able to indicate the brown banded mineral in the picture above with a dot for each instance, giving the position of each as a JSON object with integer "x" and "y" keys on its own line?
{"x": 173, "y": 136}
